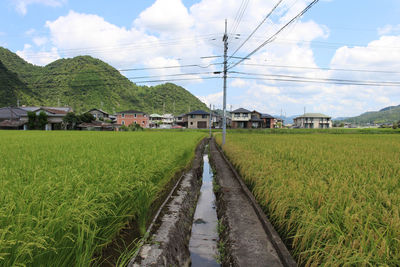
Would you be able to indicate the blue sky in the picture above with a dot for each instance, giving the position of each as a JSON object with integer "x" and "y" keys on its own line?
{"x": 334, "y": 34}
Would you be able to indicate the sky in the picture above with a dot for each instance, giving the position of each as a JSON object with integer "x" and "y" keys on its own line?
{"x": 341, "y": 58}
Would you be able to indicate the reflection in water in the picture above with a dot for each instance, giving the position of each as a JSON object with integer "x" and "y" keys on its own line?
{"x": 203, "y": 241}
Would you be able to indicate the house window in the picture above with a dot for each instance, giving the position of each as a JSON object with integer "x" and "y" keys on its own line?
{"x": 143, "y": 122}
{"x": 237, "y": 115}
{"x": 191, "y": 123}
{"x": 192, "y": 116}
{"x": 245, "y": 115}
{"x": 123, "y": 115}
{"x": 123, "y": 122}
{"x": 203, "y": 116}
{"x": 145, "y": 115}
{"x": 135, "y": 122}
{"x": 135, "y": 115}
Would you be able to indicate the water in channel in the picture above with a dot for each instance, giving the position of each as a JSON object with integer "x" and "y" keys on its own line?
{"x": 204, "y": 238}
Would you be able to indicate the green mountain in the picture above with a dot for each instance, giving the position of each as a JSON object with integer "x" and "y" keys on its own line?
{"x": 385, "y": 115}
{"x": 83, "y": 83}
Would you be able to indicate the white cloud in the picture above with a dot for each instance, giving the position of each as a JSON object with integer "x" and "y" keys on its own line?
{"x": 165, "y": 16}
{"x": 389, "y": 29}
{"x": 39, "y": 41}
{"x": 22, "y": 5}
{"x": 213, "y": 99}
{"x": 38, "y": 58}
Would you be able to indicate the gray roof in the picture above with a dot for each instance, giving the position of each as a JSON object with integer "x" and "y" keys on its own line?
{"x": 241, "y": 110}
{"x": 14, "y": 113}
{"x": 313, "y": 115}
{"x": 198, "y": 112}
{"x": 255, "y": 118}
{"x": 266, "y": 116}
{"x": 65, "y": 109}
{"x": 102, "y": 111}
{"x": 131, "y": 111}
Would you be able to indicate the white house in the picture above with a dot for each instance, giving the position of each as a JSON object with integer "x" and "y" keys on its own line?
{"x": 312, "y": 121}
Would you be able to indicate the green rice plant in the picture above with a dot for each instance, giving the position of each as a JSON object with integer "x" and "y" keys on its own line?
{"x": 64, "y": 196}
{"x": 334, "y": 199}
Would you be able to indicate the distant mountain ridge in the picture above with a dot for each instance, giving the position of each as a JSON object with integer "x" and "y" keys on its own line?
{"x": 386, "y": 115}
{"x": 83, "y": 83}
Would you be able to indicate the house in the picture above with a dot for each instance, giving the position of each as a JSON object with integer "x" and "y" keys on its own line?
{"x": 241, "y": 118}
{"x": 99, "y": 114}
{"x": 198, "y": 119}
{"x": 313, "y": 121}
{"x": 155, "y": 120}
{"x": 278, "y": 123}
{"x": 255, "y": 120}
{"x": 168, "y": 119}
{"x": 268, "y": 121}
{"x": 129, "y": 117}
{"x": 99, "y": 126}
{"x": 11, "y": 114}
{"x": 55, "y": 116}
{"x": 12, "y": 125}
{"x": 181, "y": 120}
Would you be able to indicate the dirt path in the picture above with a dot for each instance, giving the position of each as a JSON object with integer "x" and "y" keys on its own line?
{"x": 244, "y": 235}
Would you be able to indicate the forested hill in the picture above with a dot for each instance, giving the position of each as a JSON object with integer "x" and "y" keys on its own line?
{"x": 385, "y": 115}
{"x": 83, "y": 83}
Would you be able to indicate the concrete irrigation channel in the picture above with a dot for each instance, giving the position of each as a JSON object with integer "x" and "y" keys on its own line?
{"x": 187, "y": 232}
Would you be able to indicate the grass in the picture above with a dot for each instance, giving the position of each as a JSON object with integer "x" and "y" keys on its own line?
{"x": 65, "y": 195}
{"x": 334, "y": 198}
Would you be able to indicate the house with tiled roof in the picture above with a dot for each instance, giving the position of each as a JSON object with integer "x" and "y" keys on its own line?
{"x": 243, "y": 118}
{"x": 55, "y": 116}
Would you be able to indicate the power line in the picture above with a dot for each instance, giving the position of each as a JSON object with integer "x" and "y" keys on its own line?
{"x": 319, "y": 79}
{"x": 171, "y": 75}
{"x": 239, "y": 15}
{"x": 98, "y": 82}
{"x": 138, "y": 45}
{"x": 173, "y": 80}
{"x": 276, "y": 34}
{"x": 321, "y": 68}
{"x": 314, "y": 81}
{"x": 124, "y": 70}
{"x": 254, "y": 31}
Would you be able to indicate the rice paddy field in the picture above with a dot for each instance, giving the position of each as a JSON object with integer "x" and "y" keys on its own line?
{"x": 334, "y": 198}
{"x": 65, "y": 195}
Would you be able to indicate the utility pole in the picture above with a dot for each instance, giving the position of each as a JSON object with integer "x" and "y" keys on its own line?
{"x": 225, "y": 40}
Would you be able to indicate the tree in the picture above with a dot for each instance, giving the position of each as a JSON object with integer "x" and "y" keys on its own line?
{"x": 86, "y": 117}
{"x": 42, "y": 120}
{"x": 31, "y": 120}
{"x": 70, "y": 120}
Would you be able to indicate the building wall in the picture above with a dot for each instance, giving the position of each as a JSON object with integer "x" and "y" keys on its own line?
{"x": 128, "y": 119}
{"x": 241, "y": 117}
{"x": 238, "y": 124}
{"x": 193, "y": 122}
{"x": 313, "y": 123}
{"x": 270, "y": 121}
